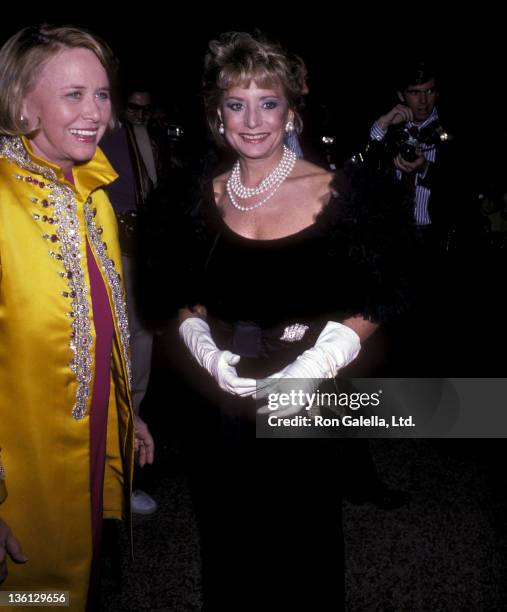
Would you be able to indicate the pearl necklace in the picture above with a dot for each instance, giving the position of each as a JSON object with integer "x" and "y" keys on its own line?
{"x": 279, "y": 173}
{"x": 273, "y": 180}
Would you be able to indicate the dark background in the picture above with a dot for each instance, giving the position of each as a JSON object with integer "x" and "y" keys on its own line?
{"x": 352, "y": 54}
{"x": 352, "y": 57}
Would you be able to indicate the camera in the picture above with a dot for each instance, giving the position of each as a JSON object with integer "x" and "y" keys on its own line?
{"x": 408, "y": 148}
{"x": 175, "y": 132}
{"x": 411, "y": 141}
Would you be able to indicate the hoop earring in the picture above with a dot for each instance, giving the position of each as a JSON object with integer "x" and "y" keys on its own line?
{"x": 289, "y": 127}
{"x": 221, "y": 129}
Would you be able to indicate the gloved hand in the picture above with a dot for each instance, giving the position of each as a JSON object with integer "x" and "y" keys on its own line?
{"x": 336, "y": 346}
{"x": 196, "y": 334}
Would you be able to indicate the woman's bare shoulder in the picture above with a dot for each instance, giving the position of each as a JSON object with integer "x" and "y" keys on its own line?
{"x": 313, "y": 177}
{"x": 306, "y": 170}
{"x": 219, "y": 184}
{"x": 221, "y": 178}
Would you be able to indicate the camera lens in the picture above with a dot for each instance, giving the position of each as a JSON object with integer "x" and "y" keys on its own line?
{"x": 408, "y": 152}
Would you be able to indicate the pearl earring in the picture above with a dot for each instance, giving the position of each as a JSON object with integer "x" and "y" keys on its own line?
{"x": 221, "y": 129}
{"x": 289, "y": 127}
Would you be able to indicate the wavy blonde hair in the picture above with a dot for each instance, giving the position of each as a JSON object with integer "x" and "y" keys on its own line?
{"x": 236, "y": 59}
{"x": 22, "y": 58}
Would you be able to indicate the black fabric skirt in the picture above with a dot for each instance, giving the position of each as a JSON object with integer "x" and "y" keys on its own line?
{"x": 268, "y": 510}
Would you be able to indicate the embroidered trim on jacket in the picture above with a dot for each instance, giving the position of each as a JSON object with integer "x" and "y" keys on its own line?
{"x": 114, "y": 280}
{"x": 66, "y": 238}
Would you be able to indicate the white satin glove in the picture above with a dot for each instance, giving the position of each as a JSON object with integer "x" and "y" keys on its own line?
{"x": 336, "y": 346}
{"x": 196, "y": 334}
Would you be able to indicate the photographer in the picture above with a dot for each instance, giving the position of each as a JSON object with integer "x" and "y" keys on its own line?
{"x": 410, "y": 142}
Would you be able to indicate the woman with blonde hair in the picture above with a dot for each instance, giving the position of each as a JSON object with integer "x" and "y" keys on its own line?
{"x": 284, "y": 270}
{"x": 67, "y": 432}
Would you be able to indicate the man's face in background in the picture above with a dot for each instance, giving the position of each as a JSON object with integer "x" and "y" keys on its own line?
{"x": 138, "y": 108}
{"x": 421, "y": 99}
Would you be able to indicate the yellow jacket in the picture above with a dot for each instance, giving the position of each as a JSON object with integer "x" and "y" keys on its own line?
{"x": 47, "y": 342}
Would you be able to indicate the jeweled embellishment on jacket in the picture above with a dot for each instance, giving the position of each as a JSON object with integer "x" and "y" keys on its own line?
{"x": 69, "y": 245}
{"x": 66, "y": 238}
{"x": 114, "y": 281}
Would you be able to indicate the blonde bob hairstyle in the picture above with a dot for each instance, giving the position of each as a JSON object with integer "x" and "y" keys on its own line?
{"x": 236, "y": 59}
{"x": 22, "y": 58}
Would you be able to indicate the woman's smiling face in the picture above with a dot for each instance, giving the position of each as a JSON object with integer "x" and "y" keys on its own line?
{"x": 254, "y": 119}
{"x": 70, "y": 107}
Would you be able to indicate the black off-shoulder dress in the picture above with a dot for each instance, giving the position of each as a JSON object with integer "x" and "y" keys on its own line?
{"x": 269, "y": 510}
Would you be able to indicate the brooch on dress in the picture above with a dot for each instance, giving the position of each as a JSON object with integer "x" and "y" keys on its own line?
{"x": 294, "y": 333}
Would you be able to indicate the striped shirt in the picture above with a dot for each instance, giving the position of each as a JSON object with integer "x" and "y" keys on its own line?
{"x": 422, "y": 194}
